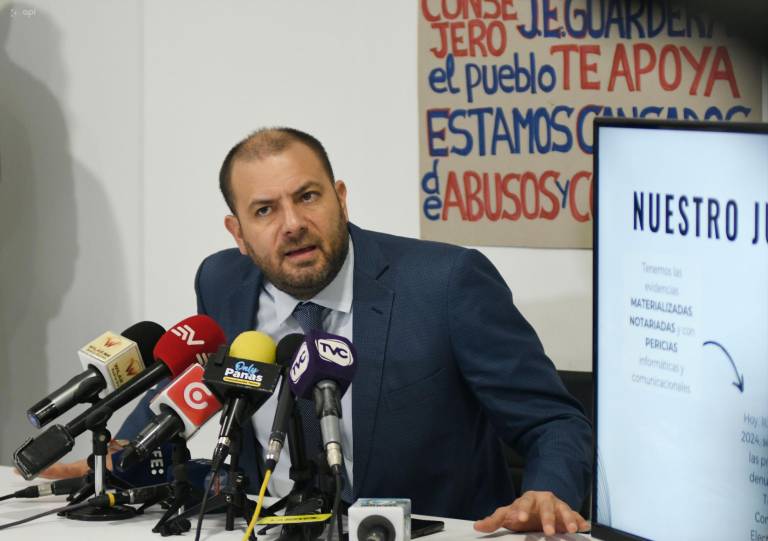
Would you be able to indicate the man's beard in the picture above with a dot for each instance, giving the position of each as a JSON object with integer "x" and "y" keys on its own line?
{"x": 307, "y": 285}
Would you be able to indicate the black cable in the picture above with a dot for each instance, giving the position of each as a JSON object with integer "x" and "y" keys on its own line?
{"x": 40, "y": 515}
{"x": 7, "y": 496}
{"x": 202, "y": 505}
{"x": 336, "y": 505}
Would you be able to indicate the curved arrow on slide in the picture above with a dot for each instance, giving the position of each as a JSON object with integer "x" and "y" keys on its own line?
{"x": 739, "y": 383}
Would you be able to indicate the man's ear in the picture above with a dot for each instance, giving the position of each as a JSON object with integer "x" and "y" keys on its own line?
{"x": 341, "y": 192}
{"x": 233, "y": 226}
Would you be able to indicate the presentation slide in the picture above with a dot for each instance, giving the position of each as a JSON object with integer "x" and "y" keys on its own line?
{"x": 682, "y": 333}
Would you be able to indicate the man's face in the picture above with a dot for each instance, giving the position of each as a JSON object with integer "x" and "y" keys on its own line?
{"x": 291, "y": 219}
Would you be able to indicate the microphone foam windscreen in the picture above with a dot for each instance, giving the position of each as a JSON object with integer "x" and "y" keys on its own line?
{"x": 253, "y": 346}
{"x": 190, "y": 340}
{"x": 146, "y": 334}
{"x": 287, "y": 347}
{"x": 322, "y": 356}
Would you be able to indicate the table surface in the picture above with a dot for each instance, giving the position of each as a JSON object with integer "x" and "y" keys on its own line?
{"x": 140, "y": 527}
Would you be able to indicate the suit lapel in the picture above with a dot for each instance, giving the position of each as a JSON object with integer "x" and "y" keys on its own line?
{"x": 242, "y": 306}
{"x": 371, "y": 308}
{"x": 240, "y": 313}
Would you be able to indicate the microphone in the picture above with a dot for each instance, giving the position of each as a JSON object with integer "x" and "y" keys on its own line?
{"x": 155, "y": 468}
{"x": 286, "y": 350}
{"x": 322, "y": 370}
{"x": 182, "y": 407}
{"x": 109, "y": 361}
{"x": 382, "y": 519}
{"x": 148, "y": 472}
{"x": 243, "y": 379}
{"x": 192, "y": 339}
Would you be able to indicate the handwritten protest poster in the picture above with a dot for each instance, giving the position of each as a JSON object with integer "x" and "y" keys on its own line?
{"x": 508, "y": 91}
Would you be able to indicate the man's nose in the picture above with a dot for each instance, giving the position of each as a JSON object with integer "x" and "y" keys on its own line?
{"x": 293, "y": 220}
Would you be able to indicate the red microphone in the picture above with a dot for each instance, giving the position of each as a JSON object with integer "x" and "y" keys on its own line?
{"x": 191, "y": 340}
{"x": 186, "y": 342}
{"x": 182, "y": 408}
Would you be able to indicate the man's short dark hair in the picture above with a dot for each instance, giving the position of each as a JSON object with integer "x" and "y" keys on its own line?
{"x": 261, "y": 144}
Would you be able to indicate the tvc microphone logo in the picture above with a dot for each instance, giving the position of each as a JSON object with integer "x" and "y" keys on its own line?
{"x": 334, "y": 351}
{"x": 300, "y": 363}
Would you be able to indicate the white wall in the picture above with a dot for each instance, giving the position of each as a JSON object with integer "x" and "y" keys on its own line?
{"x": 342, "y": 71}
{"x": 114, "y": 118}
{"x": 71, "y": 204}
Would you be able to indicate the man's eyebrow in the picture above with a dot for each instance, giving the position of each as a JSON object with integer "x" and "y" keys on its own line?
{"x": 264, "y": 201}
{"x": 307, "y": 185}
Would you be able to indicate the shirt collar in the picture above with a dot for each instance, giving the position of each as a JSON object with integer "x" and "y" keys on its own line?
{"x": 336, "y": 296}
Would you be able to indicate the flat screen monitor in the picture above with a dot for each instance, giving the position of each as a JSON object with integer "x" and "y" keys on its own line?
{"x": 680, "y": 330}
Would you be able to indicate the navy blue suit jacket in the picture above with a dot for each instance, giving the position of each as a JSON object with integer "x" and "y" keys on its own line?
{"x": 447, "y": 366}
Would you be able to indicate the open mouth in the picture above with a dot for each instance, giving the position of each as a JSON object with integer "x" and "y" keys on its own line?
{"x": 301, "y": 251}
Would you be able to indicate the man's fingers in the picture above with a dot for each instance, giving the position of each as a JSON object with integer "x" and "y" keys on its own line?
{"x": 546, "y": 504}
{"x": 567, "y": 517}
{"x": 582, "y": 522}
{"x": 524, "y": 504}
{"x": 541, "y": 511}
{"x": 496, "y": 520}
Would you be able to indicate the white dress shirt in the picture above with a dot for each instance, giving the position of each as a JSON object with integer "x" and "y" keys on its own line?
{"x": 275, "y": 319}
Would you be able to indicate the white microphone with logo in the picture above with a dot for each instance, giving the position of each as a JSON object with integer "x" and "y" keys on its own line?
{"x": 181, "y": 408}
{"x": 109, "y": 362}
{"x": 322, "y": 371}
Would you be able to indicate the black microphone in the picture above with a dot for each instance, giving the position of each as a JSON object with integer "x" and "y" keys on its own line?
{"x": 189, "y": 341}
{"x": 109, "y": 361}
{"x": 286, "y": 350}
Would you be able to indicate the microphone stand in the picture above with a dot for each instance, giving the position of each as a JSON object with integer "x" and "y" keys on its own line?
{"x": 97, "y": 423}
{"x": 305, "y": 498}
{"x": 232, "y": 498}
{"x": 302, "y": 472}
{"x": 184, "y": 493}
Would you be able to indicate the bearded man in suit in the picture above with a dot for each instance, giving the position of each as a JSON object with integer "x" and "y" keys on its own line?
{"x": 447, "y": 365}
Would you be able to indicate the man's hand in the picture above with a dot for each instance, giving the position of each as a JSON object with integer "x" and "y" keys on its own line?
{"x": 60, "y": 470}
{"x": 534, "y": 511}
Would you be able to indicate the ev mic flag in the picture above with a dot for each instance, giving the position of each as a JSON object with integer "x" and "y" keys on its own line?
{"x": 192, "y": 340}
{"x": 323, "y": 370}
{"x": 181, "y": 408}
{"x": 109, "y": 361}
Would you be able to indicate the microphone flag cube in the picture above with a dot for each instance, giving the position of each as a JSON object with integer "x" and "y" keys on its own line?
{"x": 116, "y": 357}
{"x": 190, "y": 398}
